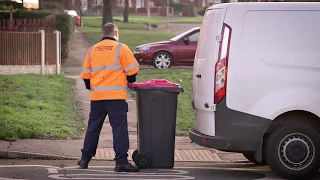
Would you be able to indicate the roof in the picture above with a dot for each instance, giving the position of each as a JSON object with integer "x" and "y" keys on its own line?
{"x": 270, "y": 5}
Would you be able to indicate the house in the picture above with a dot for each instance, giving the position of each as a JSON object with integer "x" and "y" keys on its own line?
{"x": 67, "y": 4}
{"x": 94, "y": 7}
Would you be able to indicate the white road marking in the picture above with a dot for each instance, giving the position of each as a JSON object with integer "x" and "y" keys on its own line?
{"x": 165, "y": 172}
{"x": 121, "y": 176}
{"x": 52, "y": 171}
{"x": 178, "y": 173}
{"x": 260, "y": 168}
{"x": 161, "y": 175}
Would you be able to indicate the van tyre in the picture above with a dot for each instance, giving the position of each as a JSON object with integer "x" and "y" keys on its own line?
{"x": 251, "y": 158}
{"x": 293, "y": 150}
{"x": 162, "y": 60}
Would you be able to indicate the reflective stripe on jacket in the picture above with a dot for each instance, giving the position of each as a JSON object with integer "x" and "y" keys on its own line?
{"x": 107, "y": 65}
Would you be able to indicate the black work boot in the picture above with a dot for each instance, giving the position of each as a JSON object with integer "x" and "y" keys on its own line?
{"x": 83, "y": 164}
{"x": 126, "y": 168}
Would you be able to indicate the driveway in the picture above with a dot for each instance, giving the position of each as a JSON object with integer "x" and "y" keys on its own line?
{"x": 176, "y": 28}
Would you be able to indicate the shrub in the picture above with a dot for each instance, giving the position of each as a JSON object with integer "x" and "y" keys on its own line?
{"x": 202, "y": 11}
{"x": 24, "y": 14}
{"x": 192, "y": 11}
{"x": 5, "y": 4}
{"x": 65, "y": 24}
{"x": 5, "y": 7}
{"x": 177, "y": 7}
{"x": 53, "y": 5}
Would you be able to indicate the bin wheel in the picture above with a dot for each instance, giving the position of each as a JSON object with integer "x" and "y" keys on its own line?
{"x": 134, "y": 154}
{"x": 141, "y": 161}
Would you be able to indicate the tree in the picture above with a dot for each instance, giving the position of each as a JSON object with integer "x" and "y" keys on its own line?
{"x": 107, "y": 13}
{"x": 126, "y": 13}
{"x": 40, "y": 4}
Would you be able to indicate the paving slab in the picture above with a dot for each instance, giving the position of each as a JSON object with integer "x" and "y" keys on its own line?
{"x": 4, "y": 145}
{"x": 179, "y": 156}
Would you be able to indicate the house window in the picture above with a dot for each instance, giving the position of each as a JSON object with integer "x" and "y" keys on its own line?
{"x": 122, "y": 3}
{"x": 118, "y": 3}
{"x": 97, "y": 2}
{"x": 139, "y": 3}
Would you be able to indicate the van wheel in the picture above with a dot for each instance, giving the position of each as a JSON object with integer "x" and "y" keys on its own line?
{"x": 162, "y": 60}
{"x": 251, "y": 158}
{"x": 293, "y": 150}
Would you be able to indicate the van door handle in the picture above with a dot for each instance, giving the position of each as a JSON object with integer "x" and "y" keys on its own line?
{"x": 198, "y": 75}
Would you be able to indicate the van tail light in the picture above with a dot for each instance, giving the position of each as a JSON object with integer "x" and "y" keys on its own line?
{"x": 221, "y": 67}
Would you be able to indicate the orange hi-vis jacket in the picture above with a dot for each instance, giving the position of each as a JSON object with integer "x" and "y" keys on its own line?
{"x": 107, "y": 65}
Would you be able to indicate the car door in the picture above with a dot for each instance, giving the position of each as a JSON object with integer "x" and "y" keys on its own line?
{"x": 190, "y": 49}
{"x": 186, "y": 50}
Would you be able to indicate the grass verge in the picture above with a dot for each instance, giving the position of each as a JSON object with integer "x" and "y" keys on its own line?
{"x": 135, "y": 22}
{"x": 132, "y": 38}
{"x": 197, "y": 19}
{"x": 38, "y": 106}
{"x": 185, "y": 112}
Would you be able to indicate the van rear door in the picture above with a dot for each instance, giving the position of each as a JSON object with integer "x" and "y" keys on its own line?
{"x": 204, "y": 68}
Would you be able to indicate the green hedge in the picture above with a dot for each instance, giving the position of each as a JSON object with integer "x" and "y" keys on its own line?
{"x": 24, "y": 14}
{"x": 202, "y": 11}
{"x": 53, "y": 5}
{"x": 65, "y": 24}
{"x": 177, "y": 7}
{"x": 192, "y": 11}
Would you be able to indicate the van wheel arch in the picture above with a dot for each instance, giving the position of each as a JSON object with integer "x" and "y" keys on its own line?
{"x": 294, "y": 116}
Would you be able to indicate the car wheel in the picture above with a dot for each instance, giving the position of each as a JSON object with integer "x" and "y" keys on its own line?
{"x": 162, "y": 60}
{"x": 251, "y": 158}
{"x": 293, "y": 150}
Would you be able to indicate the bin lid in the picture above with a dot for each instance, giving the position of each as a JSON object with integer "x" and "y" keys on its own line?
{"x": 157, "y": 84}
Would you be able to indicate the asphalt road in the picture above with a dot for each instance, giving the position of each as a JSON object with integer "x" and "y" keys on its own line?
{"x": 50, "y": 170}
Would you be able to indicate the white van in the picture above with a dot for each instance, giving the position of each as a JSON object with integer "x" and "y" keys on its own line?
{"x": 256, "y": 84}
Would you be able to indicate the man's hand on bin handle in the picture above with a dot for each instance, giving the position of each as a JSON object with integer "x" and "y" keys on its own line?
{"x": 131, "y": 79}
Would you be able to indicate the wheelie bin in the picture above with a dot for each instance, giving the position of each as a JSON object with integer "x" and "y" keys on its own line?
{"x": 156, "y": 127}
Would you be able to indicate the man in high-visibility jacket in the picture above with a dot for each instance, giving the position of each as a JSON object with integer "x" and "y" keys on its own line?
{"x": 108, "y": 67}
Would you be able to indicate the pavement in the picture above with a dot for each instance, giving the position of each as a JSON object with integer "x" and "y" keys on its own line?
{"x": 185, "y": 151}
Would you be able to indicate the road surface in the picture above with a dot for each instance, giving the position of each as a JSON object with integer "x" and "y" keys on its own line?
{"x": 50, "y": 170}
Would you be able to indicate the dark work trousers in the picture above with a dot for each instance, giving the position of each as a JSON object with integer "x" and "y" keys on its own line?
{"x": 117, "y": 113}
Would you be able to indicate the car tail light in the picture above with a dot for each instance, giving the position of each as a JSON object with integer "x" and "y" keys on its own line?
{"x": 221, "y": 67}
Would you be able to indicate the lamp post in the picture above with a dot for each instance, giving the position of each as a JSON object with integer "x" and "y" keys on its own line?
{"x": 148, "y": 10}
{"x": 167, "y": 13}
